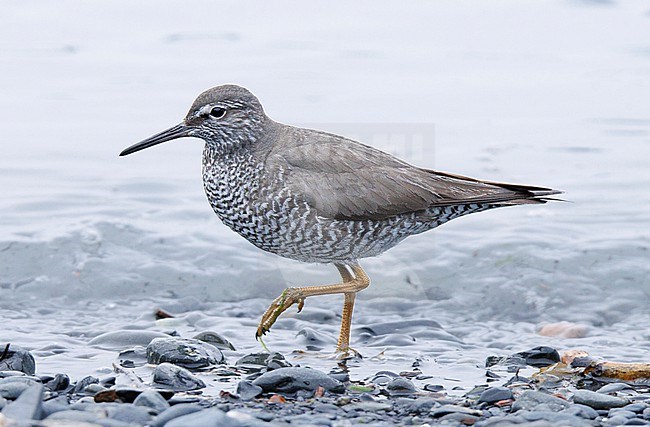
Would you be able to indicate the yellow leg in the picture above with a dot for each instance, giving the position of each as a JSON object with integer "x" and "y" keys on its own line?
{"x": 353, "y": 282}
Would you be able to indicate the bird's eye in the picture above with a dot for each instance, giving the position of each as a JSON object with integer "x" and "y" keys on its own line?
{"x": 218, "y": 112}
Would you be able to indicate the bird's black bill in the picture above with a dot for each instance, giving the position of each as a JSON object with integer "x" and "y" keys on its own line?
{"x": 178, "y": 131}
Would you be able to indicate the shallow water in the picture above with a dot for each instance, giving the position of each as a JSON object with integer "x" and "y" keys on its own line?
{"x": 537, "y": 94}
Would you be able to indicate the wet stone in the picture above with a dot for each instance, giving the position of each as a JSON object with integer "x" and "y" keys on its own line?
{"x": 15, "y": 358}
{"x": 57, "y": 404}
{"x": 598, "y": 400}
{"x": 555, "y": 418}
{"x": 75, "y": 415}
{"x": 451, "y": 409}
{"x": 187, "y": 353}
{"x": 28, "y": 406}
{"x": 400, "y": 387}
{"x": 495, "y": 394}
{"x": 81, "y": 385}
{"x": 174, "y": 412}
{"x": 636, "y": 407}
{"x": 255, "y": 362}
{"x": 58, "y": 383}
{"x": 421, "y": 405}
{"x": 530, "y": 400}
{"x": 291, "y": 380}
{"x": 212, "y": 417}
{"x": 176, "y": 378}
{"x": 12, "y": 387}
{"x": 582, "y": 411}
{"x": 646, "y": 414}
{"x": 383, "y": 377}
{"x": 214, "y": 339}
{"x": 539, "y": 356}
{"x": 247, "y": 390}
{"x": 620, "y": 412}
{"x": 125, "y": 412}
{"x": 151, "y": 399}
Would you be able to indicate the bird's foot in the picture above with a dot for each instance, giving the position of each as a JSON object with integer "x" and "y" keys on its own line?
{"x": 289, "y": 297}
{"x": 347, "y": 354}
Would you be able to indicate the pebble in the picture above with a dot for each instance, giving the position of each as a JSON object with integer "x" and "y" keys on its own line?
{"x": 495, "y": 394}
{"x": 291, "y": 380}
{"x": 85, "y": 382}
{"x": 531, "y": 400}
{"x": 215, "y": 339}
{"x": 255, "y": 362}
{"x": 17, "y": 359}
{"x": 212, "y": 417}
{"x": 152, "y": 399}
{"x": 12, "y": 387}
{"x": 28, "y": 406}
{"x": 598, "y": 400}
{"x": 400, "y": 387}
{"x": 187, "y": 353}
{"x": 176, "y": 378}
{"x": 247, "y": 390}
{"x": 174, "y": 412}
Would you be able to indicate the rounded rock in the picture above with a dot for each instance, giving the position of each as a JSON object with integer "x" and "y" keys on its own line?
{"x": 598, "y": 400}
{"x": 495, "y": 394}
{"x": 291, "y": 380}
{"x": 176, "y": 378}
{"x": 187, "y": 353}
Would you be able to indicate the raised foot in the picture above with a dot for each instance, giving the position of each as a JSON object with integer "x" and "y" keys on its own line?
{"x": 289, "y": 297}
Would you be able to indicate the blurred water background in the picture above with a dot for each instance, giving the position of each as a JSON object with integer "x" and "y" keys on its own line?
{"x": 550, "y": 93}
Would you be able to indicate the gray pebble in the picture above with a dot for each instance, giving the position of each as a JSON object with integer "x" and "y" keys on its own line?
{"x": 215, "y": 339}
{"x": 28, "y": 406}
{"x": 151, "y": 399}
{"x": 495, "y": 394}
{"x": 598, "y": 400}
{"x": 125, "y": 412}
{"x": 646, "y": 414}
{"x": 291, "y": 380}
{"x": 188, "y": 353}
{"x": 17, "y": 359}
{"x": 636, "y": 407}
{"x": 400, "y": 387}
{"x": 176, "y": 378}
{"x": 174, "y": 412}
{"x": 85, "y": 382}
{"x": 530, "y": 400}
{"x": 74, "y": 415}
{"x": 58, "y": 383}
{"x": 618, "y": 420}
{"x": 620, "y": 412}
{"x": 450, "y": 409}
{"x": 3, "y": 402}
{"x": 212, "y": 417}
{"x": 13, "y": 390}
{"x": 555, "y": 418}
{"x": 583, "y": 411}
{"x": 421, "y": 405}
{"x": 247, "y": 390}
{"x": 614, "y": 387}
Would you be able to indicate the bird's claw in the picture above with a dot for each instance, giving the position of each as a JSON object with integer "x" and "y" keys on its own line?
{"x": 289, "y": 297}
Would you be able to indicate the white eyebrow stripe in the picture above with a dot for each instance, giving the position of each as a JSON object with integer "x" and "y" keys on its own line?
{"x": 205, "y": 110}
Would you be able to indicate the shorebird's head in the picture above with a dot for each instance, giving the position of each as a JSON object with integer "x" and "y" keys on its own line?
{"x": 225, "y": 115}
